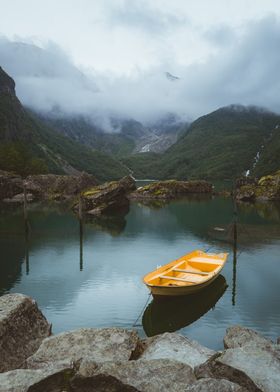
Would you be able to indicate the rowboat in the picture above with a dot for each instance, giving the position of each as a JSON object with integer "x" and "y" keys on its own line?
{"x": 177, "y": 312}
{"x": 186, "y": 275}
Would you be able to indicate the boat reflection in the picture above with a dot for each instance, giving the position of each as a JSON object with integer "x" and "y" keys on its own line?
{"x": 171, "y": 314}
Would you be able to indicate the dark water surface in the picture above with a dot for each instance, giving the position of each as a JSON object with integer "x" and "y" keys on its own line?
{"x": 90, "y": 276}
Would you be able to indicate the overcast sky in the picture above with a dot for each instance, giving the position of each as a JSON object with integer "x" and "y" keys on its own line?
{"x": 111, "y": 55}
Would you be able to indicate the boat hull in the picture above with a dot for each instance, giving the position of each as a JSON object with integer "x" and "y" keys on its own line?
{"x": 160, "y": 291}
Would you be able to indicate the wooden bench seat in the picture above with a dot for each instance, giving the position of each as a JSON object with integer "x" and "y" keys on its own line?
{"x": 188, "y": 279}
{"x": 191, "y": 272}
{"x": 205, "y": 260}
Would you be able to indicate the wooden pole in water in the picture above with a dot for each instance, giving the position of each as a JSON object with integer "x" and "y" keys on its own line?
{"x": 81, "y": 231}
{"x": 26, "y": 230}
{"x": 234, "y": 246}
{"x": 25, "y": 204}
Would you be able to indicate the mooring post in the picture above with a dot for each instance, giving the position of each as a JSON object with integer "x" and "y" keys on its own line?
{"x": 25, "y": 214}
{"x": 80, "y": 207}
{"x": 81, "y": 231}
{"x": 26, "y": 230}
{"x": 235, "y": 215}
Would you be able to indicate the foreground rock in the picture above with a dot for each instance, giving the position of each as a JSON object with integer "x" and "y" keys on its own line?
{"x": 25, "y": 380}
{"x": 250, "y": 360}
{"x": 95, "y": 345}
{"x": 171, "y": 189}
{"x": 22, "y": 329}
{"x": 108, "y": 198}
{"x": 267, "y": 188}
{"x": 212, "y": 385}
{"x": 176, "y": 347}
{"x": 147, "y": 376}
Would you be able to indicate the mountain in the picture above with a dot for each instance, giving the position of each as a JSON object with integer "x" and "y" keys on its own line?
{"x": 126, "y": 136}
{"x": 30, "y": 146}
{"x": 223, "y": 144}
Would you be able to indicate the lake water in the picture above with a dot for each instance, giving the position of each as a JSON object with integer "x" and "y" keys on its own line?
{"x": 90, "y": 275}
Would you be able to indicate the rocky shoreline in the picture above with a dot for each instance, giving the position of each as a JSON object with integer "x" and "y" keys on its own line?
{"x": 171, "y": 189}
{"x": 267, "y": 188}
{"x": 117, "y": 360}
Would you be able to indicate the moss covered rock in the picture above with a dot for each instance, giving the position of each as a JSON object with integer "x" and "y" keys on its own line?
{"x": 107, "y": 198}
{"x": 267, "y": 188}
{"x": 171, "y": 189}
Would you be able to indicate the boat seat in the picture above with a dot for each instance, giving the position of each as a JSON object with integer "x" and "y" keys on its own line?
{"x": 191, "y": 272}
{"x": 190, "y": 279}
{"x": 206, "y": 260}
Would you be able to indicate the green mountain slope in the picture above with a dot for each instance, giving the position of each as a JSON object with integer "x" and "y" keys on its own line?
{"x": 29, "y": 146}
{"x": 220, "y": 145}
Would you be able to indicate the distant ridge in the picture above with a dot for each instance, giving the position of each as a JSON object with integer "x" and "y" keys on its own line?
{"x": 220, "y": 145}
{"x": 29, "y": 146}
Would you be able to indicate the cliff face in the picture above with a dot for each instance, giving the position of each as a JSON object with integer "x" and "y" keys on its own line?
{"x": 7, "y": 84}
{"x": 28, "y": 146}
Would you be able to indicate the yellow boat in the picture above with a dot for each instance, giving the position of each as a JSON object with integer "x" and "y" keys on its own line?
{"x": 186, "y": 275}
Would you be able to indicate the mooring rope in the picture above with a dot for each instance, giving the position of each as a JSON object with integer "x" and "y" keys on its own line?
{"x": 142, "y": 311}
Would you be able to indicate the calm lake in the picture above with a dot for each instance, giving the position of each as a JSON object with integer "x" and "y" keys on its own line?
{"x": 90, "y": 275}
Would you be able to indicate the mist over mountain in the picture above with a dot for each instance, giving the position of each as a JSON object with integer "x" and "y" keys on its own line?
{"x": 242, "y": 69}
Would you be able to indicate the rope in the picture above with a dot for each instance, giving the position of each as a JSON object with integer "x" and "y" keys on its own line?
{"x": 142, "y": 311}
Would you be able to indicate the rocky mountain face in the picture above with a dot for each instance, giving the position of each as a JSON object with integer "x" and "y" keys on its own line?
{"x": 224, "y": 144}
{"x": 27, "y": 146}
{"x": 126, "y": 136}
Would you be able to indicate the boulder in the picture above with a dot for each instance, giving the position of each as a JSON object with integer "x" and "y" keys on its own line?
{"x": 19, "y": 198}
{"x": 176, "y": 347}
{"x": 267, "y": 188}
{"x": 238, "y": 336}
{"x": 246, "y": 193}
{"x": 22, "y": 329}
{"x": 100, "y": 383}
{"x": 171, "y": 189}
{"x": 97, "y": 345}
{"x": 147, "y": 376}
{"x": 251, "y": 361}
{"x": 58, "y": 187}
{"x": 26, "y": 380}
{"x": 108, "y": 198}
{"x": 212, "y": 385}
{"x": 10, "y": 185}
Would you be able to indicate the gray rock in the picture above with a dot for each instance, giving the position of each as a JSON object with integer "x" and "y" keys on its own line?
{"x": 100, "y": 383}
{"x": 148, "y": 376}
{"x": 25, "y": 380}
{"x": 255, "y": 367}
{"x": 176, "y": 347}
{"x": 22, "y": 329}
{"x": 108, "y": 198}
{"x": 238, "y": 336}
{"x": 58, "y": 187}
{"x": 171, "y": 189}
{"x": 107, "y": 344}
{"x": 10, "y": 185}
{"x": 212, "y": 385}
{"x": 278, "y": 340}
{"x": 19, "y": 198}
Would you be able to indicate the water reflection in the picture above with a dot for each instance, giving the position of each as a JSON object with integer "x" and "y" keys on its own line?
{"x": 70, "y": 267}
{"x": 169, "y": 315}
{"x": 113, "y": 224}
{"x": 81, "y": 231}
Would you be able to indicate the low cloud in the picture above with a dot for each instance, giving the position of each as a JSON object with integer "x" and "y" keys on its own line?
{"x": 243, "y": 69}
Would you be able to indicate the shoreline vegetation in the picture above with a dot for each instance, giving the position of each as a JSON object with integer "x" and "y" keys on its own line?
{"x": 117, "y": 360}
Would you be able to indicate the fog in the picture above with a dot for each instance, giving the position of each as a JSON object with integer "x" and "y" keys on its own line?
{"x": 243, "y": 69}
